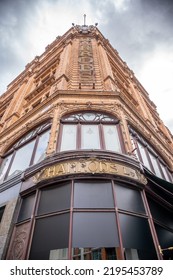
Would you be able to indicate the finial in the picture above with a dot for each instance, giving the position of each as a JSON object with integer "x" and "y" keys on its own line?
{"x": 84, "y": 19}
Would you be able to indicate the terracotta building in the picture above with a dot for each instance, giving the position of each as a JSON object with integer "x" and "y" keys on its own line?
{"x": 85, "y": 161}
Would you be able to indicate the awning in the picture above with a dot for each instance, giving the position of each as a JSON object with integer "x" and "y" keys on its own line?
{"x": 160, "y": 186}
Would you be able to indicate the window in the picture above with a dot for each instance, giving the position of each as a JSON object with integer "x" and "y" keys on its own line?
{"x": 92, "y": 230}
{"x": 29, "y": 150}
{"x": 90, "y": 130}
{"x": 93, "y": 194}
{"x": 88, "y": 219}
{"x": 26, "y": 208}
{"x": 50, "y": 238}
{"x": 149, "y": 157}
{"x": 129, "y": 199}
{"x": 137, "y": 239}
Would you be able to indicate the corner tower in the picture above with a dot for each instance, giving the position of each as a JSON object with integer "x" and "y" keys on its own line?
{"x": 86, "y": 162}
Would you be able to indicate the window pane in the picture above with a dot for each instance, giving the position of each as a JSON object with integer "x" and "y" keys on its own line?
{"x": 93, "y": 194}
{"x": 137, "y": 239}
{"x": 129, "y": 199}
{"x": 69, "y": 133}
{"x": 166, "y": 240}
{"x": 4, "y": 167}
{"x": 94, "y": 230}
{"x": 26, "y": 208}
{"x": 50, "y": 235}
{"x": 161, "y": 214}
{"x": 90, "y": 137}
{"x": 164, "y": 169}
{"x": 111, "y": 138}
{"x": 55, "y": 198}
{"x": 155, "y": 165}
{"x": 41, "y": 147}
{"x": 20, "y": 161}
{"x": 144, "y": 156}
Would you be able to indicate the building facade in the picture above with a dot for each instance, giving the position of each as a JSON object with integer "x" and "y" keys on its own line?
{"x": 86, "y": 162}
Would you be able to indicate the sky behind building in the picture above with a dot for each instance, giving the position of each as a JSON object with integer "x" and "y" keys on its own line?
{"x": 140, "y": 30}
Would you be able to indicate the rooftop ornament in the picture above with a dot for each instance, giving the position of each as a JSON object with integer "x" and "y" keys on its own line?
{"x": 85, "y": 29}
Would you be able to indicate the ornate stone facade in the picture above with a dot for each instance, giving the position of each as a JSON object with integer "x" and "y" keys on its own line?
{"x": 79, "y": 71}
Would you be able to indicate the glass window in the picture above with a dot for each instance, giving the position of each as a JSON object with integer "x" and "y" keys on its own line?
{"x": 41, "y": 147}
{"x": 155, "y": 165}
{"x": 4, "y": 167}
{"x": 91, "y": 230}
{"x": 129, "y": 199}
{"x": 93, "y": 194}
{"x": 164, "y": 170}
{"x": 150, "y": 157}
{"x": 55, "y": 198}
{"x": 166, "y": 240}
{"x": 51, "y": 237}
{"x": 90, "y": 137}
{"x": 160, "y": 213}
{"x": 137, "y": 239}
{"x": 22, "y": 158}
{"x": 89, "y": 130}
{"x": 23, "y": 152}
{"x": 26, "y": 208}
{"x": 111, "y": 137}
{"x": 69, "y": 134}
{"x": 144, "y": 156}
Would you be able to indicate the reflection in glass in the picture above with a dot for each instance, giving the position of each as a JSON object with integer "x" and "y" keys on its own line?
{"x": 93, "y": 194}
{"x": 50, "y": 235}
{"x": 90, "y": 137}
{"x": 94, "y": 229}
{"x": 111, "y": 138}
{"x": 137, "y": 239}
{"x": 129, "y": 199}
{"x": 4, "y": 167}
{"x": 41, "y": 147}
{"x": 94, "y": 254}
{"x": 59, "y": 254}
{"x": 22, "y": 158}
{"x": 68, "y": 141}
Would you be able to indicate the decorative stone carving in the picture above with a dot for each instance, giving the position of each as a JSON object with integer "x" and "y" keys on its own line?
{"x": 17, "y": 248}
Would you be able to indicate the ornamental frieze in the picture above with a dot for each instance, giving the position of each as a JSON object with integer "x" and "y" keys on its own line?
{"x": 89, "y": 166}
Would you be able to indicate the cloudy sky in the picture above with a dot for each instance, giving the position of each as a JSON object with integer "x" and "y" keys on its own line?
{"x": 140, "y": 30}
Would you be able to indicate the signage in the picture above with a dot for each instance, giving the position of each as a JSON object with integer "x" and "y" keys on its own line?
{"x": 89, "y": 166}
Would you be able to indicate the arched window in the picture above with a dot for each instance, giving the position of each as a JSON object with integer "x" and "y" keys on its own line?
{"x": 90, "y": 130}
{"x": 149, "y": 156}
{"x": 29, "y": 150}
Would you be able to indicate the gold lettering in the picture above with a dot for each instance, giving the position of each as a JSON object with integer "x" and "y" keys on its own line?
{"x": 51, "y": 172}
{"x": 126, "y": 171}
{"x": 88, "y": 166}
{"x": 93, "y": 166}
{"x": 59, "y": 169}
{"x": 103, "y": 166}
{"x": 114, "y": 168}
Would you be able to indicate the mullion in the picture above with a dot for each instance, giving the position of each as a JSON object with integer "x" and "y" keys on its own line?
{"x": 34, "y": 150}
{"x": 10, "y": 164}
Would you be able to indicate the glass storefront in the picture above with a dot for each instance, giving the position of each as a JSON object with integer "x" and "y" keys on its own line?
{"x": 88, "y": 219}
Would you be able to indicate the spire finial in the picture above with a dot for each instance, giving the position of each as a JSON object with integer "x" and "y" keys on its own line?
{"x": 84, "y": 19}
